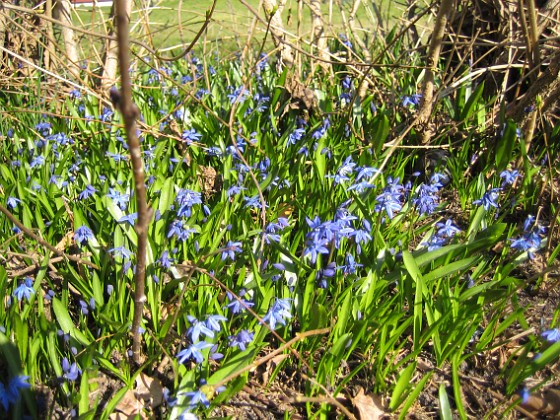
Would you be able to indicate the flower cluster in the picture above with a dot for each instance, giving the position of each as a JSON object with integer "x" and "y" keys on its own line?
{"x": 531, "y": 239}
{"x": 444, "y": 233}
{"x": 391, "y": 198}
{"x": 426, "y": 199}
{"x": 10, "y": 394}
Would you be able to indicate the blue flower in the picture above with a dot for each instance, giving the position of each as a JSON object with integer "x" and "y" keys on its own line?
{"x": 531, "y": 239}
{"x": 71, "y": 372}
{"x": 164, "y": 260}
{"x": 116, "y": 156}
{"x": 324, "y": 273}
{"x": 434, "y": 242}
{"x": 489, "y": 199}
{"x": 413, "y": 100}
{"x": 129, "y": 218}
{"x": 10, "y": 394}
{"x": 362, "y": 235}
{"x": 509, "y": 176}
{"x": 447, "y": 229}
{"x": 87, "y": 192}
{"x": 237, "y": 306}
{"x": 180, "y": 230}
{"x": 552, "y": 336}
{"x": 197, "y": 397}
{"x": 388, "y": 202}
{"x": 106, "y": 114}
{"x": 346, "y": 83}
{"x": 351, "y": 266}
{"x": 315, "y": 247}
{"x": 237, "y": 95}
{"x": 13, "y": 202}
{"x": 197, "y": 328}
{"x": 241, "y": 339}
{"x": 345, "y": 41}
{"x": 213, "y": 322}
{"x": 194, "y": 351}
{"x": 37, "y": 161}
{"x": 320, "y": 132}
{"x": 524, "y": 394}
{"x": 84, "y": 307}
{"x": 253, "y": 202}
{"x": 234, "y": 190}
{"x": 44, "y": 128}
{"x": 121, "y": 251}
{"x": 262, "y": 64}
{"x": 25, "y": 290}
{"x": 185, "y": 200}
{"x": 121, "y": 200}
{"x": 230, "y": 250}
{"x": 83, "y": 234}
{"x": 75, "y": 94}
{"x": 278, "y": 313}
{"x": 426, "y": 199}
{"x": 295, "y": 136}
{"x": 390, "y": 199}
{"x": 342, "y": 173}
{"x": 366, "y": 172}
{"x": 191, "y": 135}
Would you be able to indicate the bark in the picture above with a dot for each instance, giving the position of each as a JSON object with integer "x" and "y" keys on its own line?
{"x": 61, "y": 12}
{"x": 361, "y": 45}
{"x": 124, "y": 102}
{"x": 273, "y": 10}
{"x": 3, "y": 35}
{"x": 546, "y": 88}
{"x": 319, "y": 37}
{"x": 109, "y": 76}
{"x": 426, "y": 106}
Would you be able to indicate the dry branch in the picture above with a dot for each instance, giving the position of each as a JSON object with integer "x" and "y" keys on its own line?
{"x": 130, "y": 113}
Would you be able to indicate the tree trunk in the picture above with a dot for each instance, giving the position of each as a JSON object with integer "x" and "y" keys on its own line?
{"x": 61, "y": 12}
{"x": 319, "y": 38}
{"x": 4, "y": 34}
{"x": 109, "y": 76}
{"x": 424, "y": 113}
{"x": 273, "y": 12}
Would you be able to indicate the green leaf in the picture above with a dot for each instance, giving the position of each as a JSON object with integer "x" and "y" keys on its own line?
{"x": 451, "y": 268}
{"x": 233, "y": 364}
{"x": 472, "y": 103}
{"x": 84, "y": 393}
{"x": 444, "y": 407}
{"x": 505, "y": 146}
{"x": 414, "y": 394}
{"x": 113, "y": 403}
{"x": 402, "y": 385}
{"x": 65, "y": 322}
{"x": 166, "y": 198}
{"x": 380, "y": 132}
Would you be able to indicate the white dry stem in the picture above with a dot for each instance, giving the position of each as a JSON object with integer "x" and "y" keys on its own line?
{"x": 61, "y": 11}
{"x": 109, "y": 77}
{"x": 273, "y": 10}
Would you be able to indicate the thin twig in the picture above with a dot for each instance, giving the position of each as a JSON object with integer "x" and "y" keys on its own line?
{"x": 42, "y": 242}
{"x": 130, "y": 113}
{"x": 287, "y": 345}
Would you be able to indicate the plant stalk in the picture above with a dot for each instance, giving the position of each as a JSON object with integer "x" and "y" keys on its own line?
{"x": 130, "y": 113}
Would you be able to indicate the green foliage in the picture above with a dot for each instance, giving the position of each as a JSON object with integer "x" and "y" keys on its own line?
{"x": 250, "y": 213}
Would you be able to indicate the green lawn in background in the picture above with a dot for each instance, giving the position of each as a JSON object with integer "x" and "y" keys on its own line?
{"x": 173, "y": 23}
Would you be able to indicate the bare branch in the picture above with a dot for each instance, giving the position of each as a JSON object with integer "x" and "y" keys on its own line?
{"x": 123, "y": 101}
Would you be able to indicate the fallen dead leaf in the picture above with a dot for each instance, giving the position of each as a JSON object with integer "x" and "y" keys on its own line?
{"x": 544, "y": 403}
{"x": 271, "y": 365}
{"x": 128, "y": 408}
{"x": 149, "y": 390}
{"x": 369, "y": 406}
